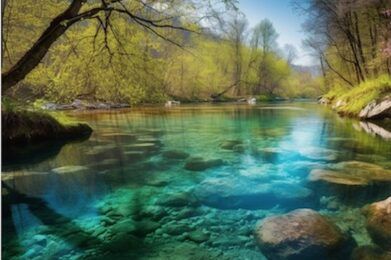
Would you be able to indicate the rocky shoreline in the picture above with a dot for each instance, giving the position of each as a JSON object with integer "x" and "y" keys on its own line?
{"x": 375, "y": 110}
{"x": 79, "y": 104}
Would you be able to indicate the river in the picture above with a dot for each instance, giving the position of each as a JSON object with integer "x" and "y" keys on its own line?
{"x": 188, "y": 182}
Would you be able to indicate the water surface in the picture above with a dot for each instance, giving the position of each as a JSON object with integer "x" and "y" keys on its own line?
{"x": 187, "y": 182}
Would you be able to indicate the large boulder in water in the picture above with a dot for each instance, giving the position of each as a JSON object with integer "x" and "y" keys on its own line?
{"x": 300, "y": 234}
{"x": 234, "y": 192}
{"x": 377, "y": 109}
{"x": 379, "y": 223}
{"x": 200, "y": 164}
{"x": 352, "y": 173}
{"x": 370, "y": 253}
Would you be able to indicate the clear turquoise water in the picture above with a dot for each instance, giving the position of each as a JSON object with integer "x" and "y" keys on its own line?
{"x": 124, "y": 193}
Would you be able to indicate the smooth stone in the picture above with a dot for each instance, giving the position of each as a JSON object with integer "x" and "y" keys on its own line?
{"x": 122, "y": 242}
{"x": 78, "y": 239}
{"x": 199, "y": 164}
{"x": 316, "y": 153}
{"x": 198, "y": 236}
{"x": 370, "y": 253}
{"x": 144, "y": 227}
{"x": 301, "y": 234}
{"x": 40, "y": 240}
{"x": 187, "y": 213}
{"x": 153, "y": 212}
{"x": 239, "y": 148}
{"x": 378, "y": 223}
{"x": 142, "y": 147}
{"x": 175, "y": 154}
{"x": 180, "y": 199}
{"x": 69, "y": 169}
{"x": 175, "y": 229}
{"x": 126, "y": 226}
{"x": 229, "y": 144}
{"x": 351, "y": 173}
{"x": 233, "y": 193}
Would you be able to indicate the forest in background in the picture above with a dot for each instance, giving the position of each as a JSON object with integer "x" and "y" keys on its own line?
{"x": 200, "y": 50}
{"x": 151, "y": 51}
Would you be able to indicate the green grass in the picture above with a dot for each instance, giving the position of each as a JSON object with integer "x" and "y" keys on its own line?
{"x": 23, "y": 124}
{"x": 357, "y": 98}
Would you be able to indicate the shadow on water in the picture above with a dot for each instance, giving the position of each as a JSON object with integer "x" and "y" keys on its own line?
{"x": 15, "y": 157}
{"x": 124, "y": 245}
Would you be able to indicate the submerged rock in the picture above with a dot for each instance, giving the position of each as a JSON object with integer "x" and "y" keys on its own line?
{"x": 300, "y": 234}
{"x": 179, "y": 199}
{"x": 370, "y": 253}
{"x": 175, "y": 154}
{"x": 351, "y": 173}
{"x": 198, "y": 236}
{"x": 230, "y": 144}
{"x": 232, "y": 193}
{"x": 379, "y": 223}
{"x": 69, "y": 169}
{"x": 316, "y": 153}
{"x": 199, "y": 164}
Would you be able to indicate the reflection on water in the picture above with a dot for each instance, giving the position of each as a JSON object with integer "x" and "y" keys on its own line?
{"x": 190, "y": 181}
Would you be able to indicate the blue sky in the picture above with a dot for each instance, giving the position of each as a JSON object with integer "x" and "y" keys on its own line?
{"x": 285, "y": 19}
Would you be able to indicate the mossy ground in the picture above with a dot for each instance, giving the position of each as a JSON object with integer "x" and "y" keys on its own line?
{"x": 22, "y": 125}
{"x": 355, "y": 99}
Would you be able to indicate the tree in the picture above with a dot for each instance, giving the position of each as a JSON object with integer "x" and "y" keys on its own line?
{"x": 236, "y": 34}
{"x": 349, "y": 35}
{"x": 290, "y": 52}
{"x": 138, "y": 12}
{"x": 264, "y": 39}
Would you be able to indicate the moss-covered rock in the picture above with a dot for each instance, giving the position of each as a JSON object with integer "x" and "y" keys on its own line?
{"x": 22, "y": 127}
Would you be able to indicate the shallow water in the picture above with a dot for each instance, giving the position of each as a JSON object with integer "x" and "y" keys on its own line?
{"x": 187, "y": 182}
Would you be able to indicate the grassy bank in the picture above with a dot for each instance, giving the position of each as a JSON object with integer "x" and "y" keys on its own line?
{"x": 350, "y": 101}
{"x": 22, "y": 126}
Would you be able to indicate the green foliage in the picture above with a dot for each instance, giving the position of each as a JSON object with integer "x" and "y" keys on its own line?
{"x": 358, "y": 97}
{"x": 132, "y": 65}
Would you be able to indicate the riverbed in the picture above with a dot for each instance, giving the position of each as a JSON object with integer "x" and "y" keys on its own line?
{"x": 190, "y": 182}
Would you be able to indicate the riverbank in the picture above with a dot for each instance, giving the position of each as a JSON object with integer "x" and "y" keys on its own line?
{"x": 369, "y": 100}
{"x": 24, "y": 127}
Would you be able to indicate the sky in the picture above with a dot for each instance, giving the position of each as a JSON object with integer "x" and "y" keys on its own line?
{"x": 285, "y": 19}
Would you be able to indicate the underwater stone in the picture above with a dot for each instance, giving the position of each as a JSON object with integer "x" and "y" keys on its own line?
{"x": 187, "y": 213}
{"x": 122, "y": 243}
{"x": 317, "y": 153}
{"x": 199, "y": 164}
{"x": 69, "y": 169}
{"x": 379, "y": 223}
{"x": 180, "y": 199}
{"x": 144, "y": 227}
{"x": 153, "y": 212}
{"x": 175, "y": 229}
{"x": 125, "y": 226}
{"x": 370, "y": 253}
{"x": 229, "y": 144}
{"x": 175, "y": 154}
{"x": 198, "y": 236}
{"x": 233, "y": 193}
{"x": 352, "y": 173}
{"x": 239, "y": 148}
{"x": 300, "y": 234}
{"x": 40, "y": 240}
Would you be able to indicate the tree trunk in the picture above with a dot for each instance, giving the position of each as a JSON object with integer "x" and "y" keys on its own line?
{"x": 35, "y": 54}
